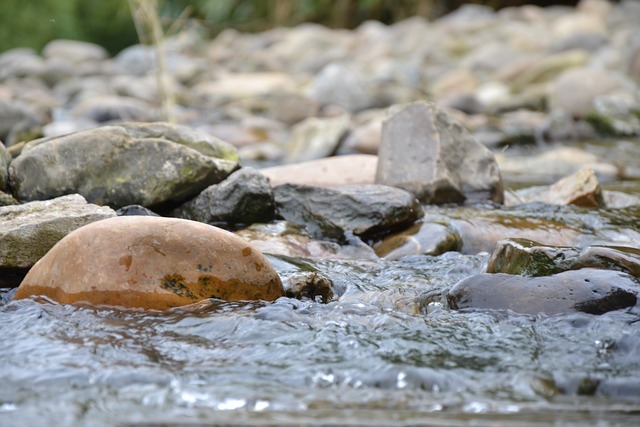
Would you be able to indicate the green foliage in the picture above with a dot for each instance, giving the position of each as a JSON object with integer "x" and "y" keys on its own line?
{"x": 34, "y": 24}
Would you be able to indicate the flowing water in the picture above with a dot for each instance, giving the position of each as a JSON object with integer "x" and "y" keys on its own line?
{"x": 386, "y": 352}
{"x": 369, "y": 358}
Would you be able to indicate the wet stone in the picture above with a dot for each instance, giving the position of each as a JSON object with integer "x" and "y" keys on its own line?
{"x": 586, "y": 290}
{"x": 427, "y": 238}
{"x": 528, "y": 258}
{"x": 152, "y": 263}
{"x": 363, "y": 210}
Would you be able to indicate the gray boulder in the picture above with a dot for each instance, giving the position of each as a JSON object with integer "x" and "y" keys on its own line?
{"x": 152, "y": 165}
{"x": 28, "y": 231}
{"x": 245, "y": 197}
{"x": 425, "y": 151}
{"x": 586, "y": 290}
{"x": 364, "y": 210}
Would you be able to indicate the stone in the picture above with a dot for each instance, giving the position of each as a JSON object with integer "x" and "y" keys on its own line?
{"x": 342, "y": 85}
{"x": 244, "y": 198}
{"x": 553, "y": 165}
{"x": 424, "y": 151}
{"x": 328, "y": 172}
{"x": 135, "y": 210}
{"x": 333, "y": 213}
{"x": 105, "y": 108}
{"x": 5, "y": 159}
{"x": 151, "y": 263}
{"x": 576, "y": 89}
{"x": 151, "y": 165}
{"x": 29, "y": 230}
{"x": 315, "y": 138}
{"x": 580, "y": 189}
{"x": 422, "y": 238}
{"x": 586, "y": 290}
{"x": 17, "y": 117}
{"x": 74, "y": 51}
{"x": 291, "y": 240}
{"x": 528, "y": 258}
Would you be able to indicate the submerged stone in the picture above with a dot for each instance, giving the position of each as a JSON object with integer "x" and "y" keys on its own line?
{"x": 586, "y": 290}
{"x": 152, "y": 263}
{"x": 428, "y": 238}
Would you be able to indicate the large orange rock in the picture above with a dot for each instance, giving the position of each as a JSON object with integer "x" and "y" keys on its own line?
{"x": 152, "y": 263}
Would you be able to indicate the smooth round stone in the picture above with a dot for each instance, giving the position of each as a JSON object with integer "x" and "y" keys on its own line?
{"x": 152, "y": 263}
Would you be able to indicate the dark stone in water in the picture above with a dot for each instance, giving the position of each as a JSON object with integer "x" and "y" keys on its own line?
{"x": 364, "y": 210}
{"x": 135, "y": 210}
{"x": 586, "y": 290}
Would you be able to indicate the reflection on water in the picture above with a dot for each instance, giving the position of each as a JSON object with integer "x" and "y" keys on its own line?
{"x": 376, "y": 356}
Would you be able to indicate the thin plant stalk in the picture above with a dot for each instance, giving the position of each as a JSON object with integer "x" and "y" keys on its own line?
{"x": 146, "y": 19}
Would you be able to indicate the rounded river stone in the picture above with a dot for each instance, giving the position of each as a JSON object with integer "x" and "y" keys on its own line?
{"x": 152, "y": 263}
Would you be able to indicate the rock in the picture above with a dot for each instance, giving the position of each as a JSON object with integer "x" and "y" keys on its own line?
{"x": 244, "y": 198}
{"x": 342, "y": 85}
{"x": 19, "y": 63}
{"x": 586, "y": 290}
{"x": 149, "y": 165}
{"x": 286, "y": 239}
{"x": 5, "y": 159}
{"x": 17, "y": 118}
{"x": 328, "y": 172}
{"x": 363, "y": 210}
{"x": 7, "y": 199}
{"x": 316, "y": 138}
{"x": 286, "y": 107}
{"x": 29, "y": 230}
{"x": 364, "y": 138}
{"x": 241, "y": 85}
{"x": 151, "y": 263}
{"x": 575, "y": 90}
{"x": 74, "y": 51}
{"x": 550, "y": 67}
{"x": 580, "y": 189}
{"x": 554, "y": 164}
{"x": 104, "y": 108}
{"x": 428, "y": 238}
{"x": 135, "y": 210}
{"x": 422, "y": 150}
{"x": 528, "y": 258}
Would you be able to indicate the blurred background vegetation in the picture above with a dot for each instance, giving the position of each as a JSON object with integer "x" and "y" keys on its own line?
{"x": 109, "y": 22}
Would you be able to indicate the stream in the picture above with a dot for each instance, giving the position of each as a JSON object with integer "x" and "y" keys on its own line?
{"x": 388, "y": 352}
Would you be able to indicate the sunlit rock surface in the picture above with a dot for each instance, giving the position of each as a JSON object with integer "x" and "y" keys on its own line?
{"x": 152, "y": 263}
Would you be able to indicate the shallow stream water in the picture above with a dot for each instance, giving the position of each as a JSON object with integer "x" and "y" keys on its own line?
{"x": 365, "y": 359}
{"x": 386, "y": 352}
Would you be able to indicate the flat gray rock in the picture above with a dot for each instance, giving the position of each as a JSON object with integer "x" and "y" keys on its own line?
{"x": 28, "y": 231}
{"x": 425, "y": 151}
{"x": 151, "y": 165}
{"x": 586, "y": 290}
